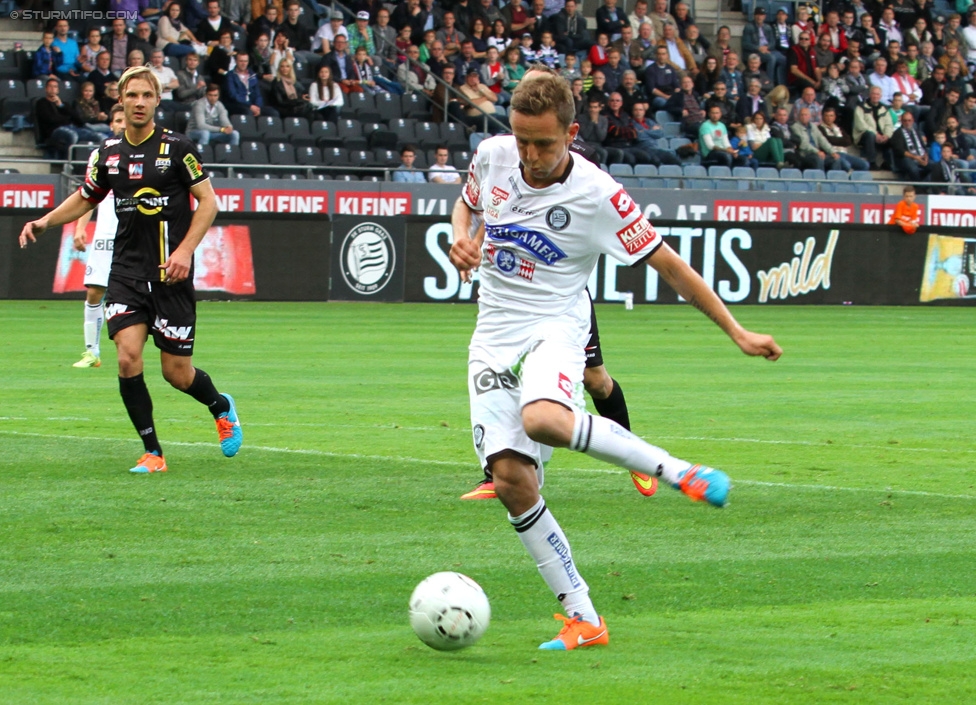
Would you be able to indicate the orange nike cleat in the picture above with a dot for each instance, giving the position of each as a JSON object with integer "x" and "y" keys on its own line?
{"x": 150, "y": 462}
{"x": 576, "y": 633}
{"x": 645, "y": 484}
{"x": 485, "y": 490}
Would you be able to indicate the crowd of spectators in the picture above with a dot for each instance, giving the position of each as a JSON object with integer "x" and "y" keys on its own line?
{"x": 856, "y": 86}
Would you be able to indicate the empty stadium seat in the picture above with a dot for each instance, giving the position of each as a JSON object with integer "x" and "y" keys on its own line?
{"x": 693, "y": 171}
{"x": 838, "y": 175}
{"x": 454, "y": 136}
{"x": 308, "y": 155}
{"x": 388, "y": 106}
{"x": 360, "y": 102}
{"x": 662, "y": 116}
{"x": 335, "y": 156}
{"x": 645, "y": 170}
{"x": 717, "y": 172}
{"x": 386, "y": 158}
{"x": 253, "y": 153}
{"x": 69, "y": 91}
{"x": 326, "y": 134}
{"x": 621, "y": 170}
{"x": 270, "y": 128}
{"x": 461, "y": 160}
{"x": 403, "y": 128}
{"x": 163, "y": 119}
{"x": 861, "y": 176}
{"x": 789, "y": 173}
{"x": 281, "y": 153}
{"x": 673, "y": 174}
{"x": 743, "y": 172}
{"x": 297, "y": 130}
{"x": 12, "y": 88}
{"x": 764, "y": 173}
{"x": 35, "y": 88}
{"x": 814, "y": 175}
{"x": 415, "y": 105}
{"x": 246, "y": 126}
{"x": 671, "y": 129}
{"x": 226, "y": 153}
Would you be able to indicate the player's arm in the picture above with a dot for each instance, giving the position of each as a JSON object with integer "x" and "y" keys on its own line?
{"x": 466, "y": 251}
{"x": 688, "y": 283}
{"x": 81, "y": 225}
{"x": 72, "y": 208}
{"x": 177, "y": 267}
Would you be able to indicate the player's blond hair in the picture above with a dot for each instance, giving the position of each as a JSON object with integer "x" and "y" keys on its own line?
{"x": 544, "y": 91}
{"x": 143, "y": 72}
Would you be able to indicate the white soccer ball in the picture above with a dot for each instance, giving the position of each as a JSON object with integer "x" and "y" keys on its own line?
{"x": 449, "y": 611}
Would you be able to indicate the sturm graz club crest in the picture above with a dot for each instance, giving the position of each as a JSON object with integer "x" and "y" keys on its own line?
{"x": 368, "y": 258}
{"x": 557, "y": 218}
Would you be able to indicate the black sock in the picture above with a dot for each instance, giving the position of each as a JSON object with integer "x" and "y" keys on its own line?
{"x": 614, "y": 407}
{"x": 203, "y": 390}
{"x": 138, "y": 403}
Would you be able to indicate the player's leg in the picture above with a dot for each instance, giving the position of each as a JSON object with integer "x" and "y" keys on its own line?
{"x": 129, "y": 343}
{"x": 608, "y": 397}
{"x": 173, "y": 334}
{"x": 97, "y": 270}
{"x": 515, "y": 462}
{"x": 546, "y": 373}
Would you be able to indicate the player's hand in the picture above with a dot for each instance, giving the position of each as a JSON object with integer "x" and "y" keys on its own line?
{"x": 79, "y": 241}
{"x": 31, "y": 231}
{"x": 758, "y": 344}
{"x": 465, "y": 255}
{"x": 177, "y": 267}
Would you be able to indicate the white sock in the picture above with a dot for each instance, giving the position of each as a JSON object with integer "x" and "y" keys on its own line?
{"x": 607, "y": 440}
{"x": 547, "y": 544}
{"x": 94, "y": 315}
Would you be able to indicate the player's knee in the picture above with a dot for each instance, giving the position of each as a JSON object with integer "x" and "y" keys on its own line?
{"x": 178, "y": 374}
{"x": 597, "y": 382}
{"x": 130, "y": 362}
{"x": 94, "y": 295}
{"x": 546, "y": 422}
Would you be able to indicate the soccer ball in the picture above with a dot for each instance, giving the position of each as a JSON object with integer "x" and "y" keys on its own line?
{"x": 449, "y": 611}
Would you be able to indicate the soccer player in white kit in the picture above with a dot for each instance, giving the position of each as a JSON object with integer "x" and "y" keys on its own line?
{"x": 99, "y": 263}
{"x": 549, "y": 214}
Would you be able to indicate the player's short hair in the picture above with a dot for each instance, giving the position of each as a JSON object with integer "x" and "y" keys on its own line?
{"x": 211, "y": 87}
{"x": 117, "y": 108}
{"x": 544, "y": 91}
{"x": 907, "y": 190}
{"x": 143, "y": 72}
{"x": 407, "y": 148}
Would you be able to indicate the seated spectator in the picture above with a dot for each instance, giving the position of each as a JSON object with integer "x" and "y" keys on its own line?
{"x": 802, "y": 70}
{"x": 648, "y": 134}
{"x": 58, "y": 126}
{"x": 722, "y": 44}
{"x": 281, "y": 50}
{"x": 708, "y": 76}
{"x": 909, "y": 88}
{"x": 69, "y": 66}
{"x": 813, "y": 148}
{"x": 741, "y": 145}
{"x": 209, "y": 121}
{"x": 678, "y": 53}
{"x": 110, "y": 98}
{"x": 46, "y": 59}
{"x": 598, "y": 52}
{"x": 326, "y": 34}
{"x": 191, "y": 87}
{"x": 897, "y": 108}
{"x": 527, "y": 47}
{"x": 808, "y": 100}
{"x": 342, "y": 65}
{"x": 732, "y": 76}
{"x": 481, "y": 101}
{"x": 547, "y": 53}
{"x": 911, "y": 159}
{"x": 593, "y": 128}
{"x": 857, "y": 86}
{"x": 633, "y": 93}
{"x": 765, "y": 148}
{"x": 449, "y": 36}
{"x": 685, "y": 107}
{"x": 442, "y": 97}
{"x": 661, "y": 18}
{"x": 514, "y": 68}
{"x": 755, "y": 72}
{"x": 956, "y": 77}
{"x": 780, "y": 128}
{"x": 167, "y": 79}
{"x": 384, "y": 38}
{"x": 89, "y": 112}
{"x": 406, "y": 172}
{"x": 361, "y": 35}
{"x": 298, "y": 31}
{"x": 759, "y": 38}
{"x": 415, "y": 76}
{"x": 440, "y": 171}
{"x": 823, "y": 51}
{"x": 720, "y": 98}
{"x": 101, "y": 75}
{"x": 872, "y": 126}
{"x": 841, "y": 144}
{"x": 136, "y": 58}
{"x": 325, "y": 95}
{"x": 695, "y": 44}
{"x": 751, "y": 103}
{"x": 369, "y": 78}
{"x": 493, "y": 75}
{"x": 622, "y": 135}
{"x": 661, "y": 79}
{"x": 262, "y": 56}
{"x": 221, "y": 59}
{"x": 465, "y": 63}
{"x": 90, "y": 51}
{"x": 569, "y": 29}
{"x": 289, "y": 95}
{"x": 713, "y": 141}
{"x": 268, "y": 23}
{"x": 243, "y": 96}
{"x": 479, "y": 37}
{"x": 175, "y": 38}
{"x": 598, "y": 90}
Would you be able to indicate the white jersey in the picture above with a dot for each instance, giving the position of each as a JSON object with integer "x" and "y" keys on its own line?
{"x": 98, "y": 266}
{"x": 542, "y": 244}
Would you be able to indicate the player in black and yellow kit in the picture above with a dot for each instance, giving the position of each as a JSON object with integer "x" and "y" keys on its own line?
{"x": 152, "y": 172}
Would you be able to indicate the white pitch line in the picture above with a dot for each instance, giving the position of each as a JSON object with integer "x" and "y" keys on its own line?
{"x": 700, "y": 439}
{"x": 464, "y": 464}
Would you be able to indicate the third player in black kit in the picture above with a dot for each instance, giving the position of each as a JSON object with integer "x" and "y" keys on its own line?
{"x": 152, "y": 172}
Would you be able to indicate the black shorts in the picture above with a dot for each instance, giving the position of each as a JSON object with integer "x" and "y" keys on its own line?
{"x": 170, "y": 311}
{"x": 594, "y": 356}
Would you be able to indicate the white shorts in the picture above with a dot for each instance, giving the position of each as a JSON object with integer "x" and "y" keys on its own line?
{"x": 550, "y": 366}
{"x": 99, "y": 264}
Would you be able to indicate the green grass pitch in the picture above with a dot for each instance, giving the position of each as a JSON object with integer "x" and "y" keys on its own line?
{"x": 843, "y": 571}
